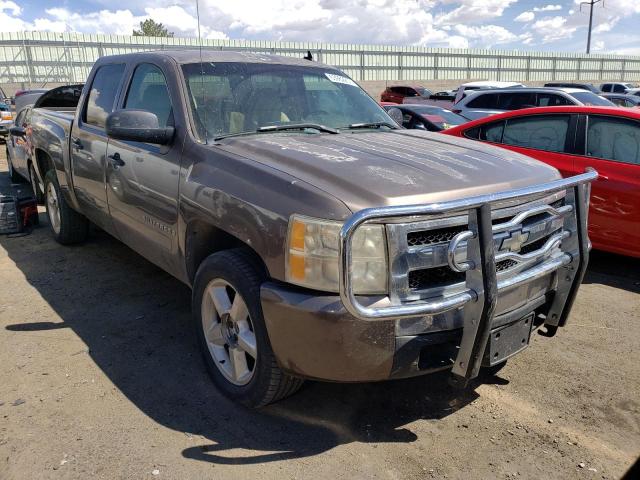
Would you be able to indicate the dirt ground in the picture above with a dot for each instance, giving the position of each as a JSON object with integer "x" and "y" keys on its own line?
{"x": 100, "y": 377}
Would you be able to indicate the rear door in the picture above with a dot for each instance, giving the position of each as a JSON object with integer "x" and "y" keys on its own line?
{"x": 142, "y": 179}
{"x": 88, "y": 143}
{"x": 612, "y": 147}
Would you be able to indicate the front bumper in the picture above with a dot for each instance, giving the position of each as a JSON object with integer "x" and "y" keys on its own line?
{"x": 314, "y": 336}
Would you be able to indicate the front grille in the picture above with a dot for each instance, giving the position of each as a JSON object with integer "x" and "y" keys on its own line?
{"x": 505, "y": 265}
{"x": 432, "y": 237}
{"x": 533, "y": 246}
{"x": 433, "y": 278}
{"x": 444, "y": 276}
{"x": 418, "y": 250}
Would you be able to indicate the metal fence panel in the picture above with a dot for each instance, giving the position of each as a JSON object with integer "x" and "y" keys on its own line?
{"x": 39, "y": 58}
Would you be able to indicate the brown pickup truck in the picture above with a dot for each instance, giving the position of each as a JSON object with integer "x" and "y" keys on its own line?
{"x": 320, "y": 239}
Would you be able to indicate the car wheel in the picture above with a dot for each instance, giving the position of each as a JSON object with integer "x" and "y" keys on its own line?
{"x": 67, "y": 225}
{"x": 35, "y": 185}
{"x": 232, "y": 333}
{"x": 15, "y": 176}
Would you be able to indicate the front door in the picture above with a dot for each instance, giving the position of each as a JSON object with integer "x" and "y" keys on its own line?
{"x": 88, "y": 144}
{"x": 142, "y": 179}
{"x": 613, "y": 149}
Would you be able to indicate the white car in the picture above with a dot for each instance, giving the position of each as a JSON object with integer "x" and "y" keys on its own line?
{"x": 483, "y": 103}
{"x": 463, "y": 90}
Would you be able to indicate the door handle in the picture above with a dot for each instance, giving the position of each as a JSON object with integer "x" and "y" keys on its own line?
{"x": 116, "y": 161}
{"x": 76, "y": 144}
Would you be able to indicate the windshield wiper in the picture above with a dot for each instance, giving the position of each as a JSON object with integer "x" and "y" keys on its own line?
{"x": 373, "y": 125}
{"x": 279, "y": 128}
{"x": 297, "y": 126}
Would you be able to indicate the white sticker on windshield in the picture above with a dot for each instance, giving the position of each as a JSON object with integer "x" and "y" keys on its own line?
{"x": 340, "y": 79}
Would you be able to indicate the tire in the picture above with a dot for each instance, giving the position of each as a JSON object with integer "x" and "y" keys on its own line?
{"x": 67, "y": 225}
{"x": 35, "y": 185}
{"x": 15, "y": 176}
{"x": 225, "y": 275}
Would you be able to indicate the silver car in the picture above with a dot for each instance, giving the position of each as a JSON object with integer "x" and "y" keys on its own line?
{"x": 483, "y": 103}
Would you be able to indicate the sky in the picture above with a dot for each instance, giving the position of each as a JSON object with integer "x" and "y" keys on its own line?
{"x": 498, "y": 24}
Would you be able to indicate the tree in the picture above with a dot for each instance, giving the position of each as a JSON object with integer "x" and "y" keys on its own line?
{"x": 150, "y": 28}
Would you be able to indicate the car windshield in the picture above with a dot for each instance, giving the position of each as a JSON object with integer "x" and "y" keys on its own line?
{"x": 234, "y": 98}
{"x": 439, "y": 116}
{"x": 589, "y": 98}
{"x": 423, "y": 91}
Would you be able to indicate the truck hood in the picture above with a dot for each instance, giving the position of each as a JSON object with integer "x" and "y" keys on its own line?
{"x": 370, "y": 169}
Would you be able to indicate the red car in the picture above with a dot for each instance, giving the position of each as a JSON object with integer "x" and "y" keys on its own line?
{"x": 397, "y": 93}
{"x": 571, "y": 139}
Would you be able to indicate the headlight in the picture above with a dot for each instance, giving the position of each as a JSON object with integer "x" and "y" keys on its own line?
{"x": 312, "y": 256}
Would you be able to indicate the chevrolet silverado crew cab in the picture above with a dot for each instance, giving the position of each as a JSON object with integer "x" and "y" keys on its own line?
{"x": 320, "y": 240}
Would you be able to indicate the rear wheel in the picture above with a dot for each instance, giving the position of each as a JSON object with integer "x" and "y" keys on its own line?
{"x": 232, "y": 332}
{"x": 36, "y": 186}
{"x": 15, "y": 176}
{"x": 67, "y": 225}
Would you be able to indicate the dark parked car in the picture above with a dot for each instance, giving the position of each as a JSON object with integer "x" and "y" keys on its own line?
{"x": 398, "y": 93}
{"x": 623, "y": 99}
{"x": 319, "y": 239}
{"x": 581, "y": 86}
{"x": 426, "y": 117}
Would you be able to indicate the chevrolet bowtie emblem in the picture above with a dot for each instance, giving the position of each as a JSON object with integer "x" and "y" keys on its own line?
{"x": 514, "y": 241}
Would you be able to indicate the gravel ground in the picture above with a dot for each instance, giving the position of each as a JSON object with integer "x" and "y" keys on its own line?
{"x": 101, "y": 378}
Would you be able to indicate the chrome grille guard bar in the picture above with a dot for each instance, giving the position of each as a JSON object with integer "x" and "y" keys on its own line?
{"x": 482, "y": 286}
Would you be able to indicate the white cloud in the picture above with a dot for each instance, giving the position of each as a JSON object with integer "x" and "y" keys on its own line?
{"x": 121, "y": 22}
{"x": 548, "y": 8}
{"x": 12, "y": 7}
{"x": 551, "y": 29}
{"x": 525, "y": 17}
{"x": 471, "y": 11}
{"x": 488, "y": 35}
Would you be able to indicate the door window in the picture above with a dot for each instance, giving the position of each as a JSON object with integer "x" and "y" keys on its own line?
{"x": 486, "y": 101}
{"x": 103, "y": 94}
{"x": 491, "y": 132}
{"x": 542, "y": 132}
{"x": 619, "y": 88}
{"x": 551, "y": 100}
{"x": 612, "y": 138}
{"x": 148, "y": 91}
{"x": 516, "y": 101}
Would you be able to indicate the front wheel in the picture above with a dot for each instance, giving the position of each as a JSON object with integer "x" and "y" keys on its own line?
{"x": 67, "y": 225}
{"x": 232, "y": 333}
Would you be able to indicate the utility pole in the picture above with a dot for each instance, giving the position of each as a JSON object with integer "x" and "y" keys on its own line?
{"x": 591, "y": 3}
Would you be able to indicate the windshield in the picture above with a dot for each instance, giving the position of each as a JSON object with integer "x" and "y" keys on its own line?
{"x": 423, "y": 91}
{"x": 234, "y": 98}
{"x": 589, "y": 98}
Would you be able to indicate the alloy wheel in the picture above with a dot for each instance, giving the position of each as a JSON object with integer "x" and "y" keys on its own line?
{"x": 229, "y": 332}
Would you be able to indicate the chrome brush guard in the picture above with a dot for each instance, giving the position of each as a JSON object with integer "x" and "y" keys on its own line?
{"x": 565, "y": 250}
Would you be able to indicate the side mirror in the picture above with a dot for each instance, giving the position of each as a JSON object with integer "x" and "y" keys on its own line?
{"x": 396, "y": 115}
{"x": 17, "y": 132}
{"x": 137, "y": 126}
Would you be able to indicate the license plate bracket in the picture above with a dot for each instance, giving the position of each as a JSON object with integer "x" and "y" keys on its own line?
{"x": 508, "y": 340}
